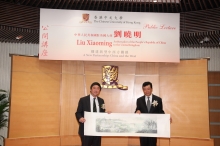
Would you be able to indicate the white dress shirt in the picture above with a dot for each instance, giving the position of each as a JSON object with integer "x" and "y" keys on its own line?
{"x": 96, "y": 103}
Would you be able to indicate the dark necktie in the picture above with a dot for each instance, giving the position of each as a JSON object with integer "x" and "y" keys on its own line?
{"x": 94, "y": 106}
{"x": 148, "y": 104}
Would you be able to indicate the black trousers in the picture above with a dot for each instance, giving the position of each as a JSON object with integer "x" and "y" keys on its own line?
{"x": 148, "y": 141}
{"x": 91, "y": 140}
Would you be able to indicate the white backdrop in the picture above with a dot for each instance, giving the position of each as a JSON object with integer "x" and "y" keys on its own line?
{"x": 109, "y": 36}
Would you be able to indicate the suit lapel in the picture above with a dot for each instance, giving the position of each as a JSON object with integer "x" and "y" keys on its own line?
{"x": 151, "y": 106}
{"x": 99, "y": 104}
{"x": 88, "y": 103}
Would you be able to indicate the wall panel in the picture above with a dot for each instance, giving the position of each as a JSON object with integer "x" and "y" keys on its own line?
{"x": 214, "y": 90}
{"x": 217, "y": 141}
{"x": 214, "y": 77}
{"x": 33, "y": 65}
{"x": 115, "y": 141}
{"x": 183, "y": 105}
{"x": 133, "y": 141}
{"x": 185, "y": 67}
{"x": 72, "y": 90}
{"x": 214, "y": 116}
{"x": 214, "y": 104}
{"x": 144, "y": 68}
{"x": 63, "y": 85}
{"x": 215, "y": 129}
{"x": 70, "y": 140}
{"x": 164, "y": 141}
{"x": 73, "y": 67}
{"x": 191, "y": 142}
{"x": 34, "y": 141}
{"x": 34, "y": 97}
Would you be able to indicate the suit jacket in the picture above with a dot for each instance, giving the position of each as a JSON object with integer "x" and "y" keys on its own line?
{"x": 84, "y": 105}
{"x": 142, "y": 106}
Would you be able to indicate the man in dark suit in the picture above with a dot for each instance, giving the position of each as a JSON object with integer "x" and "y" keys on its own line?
{"x": 90, "y": 103}
{"x": 150, "y": 104}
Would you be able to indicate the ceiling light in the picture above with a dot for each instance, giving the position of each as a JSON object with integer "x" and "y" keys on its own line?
{"x": 154, "y": 0}
{"x": 19, "y": 37}
{"x": 206, "y": 39}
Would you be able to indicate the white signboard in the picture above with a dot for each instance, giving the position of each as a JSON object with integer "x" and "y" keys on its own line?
{"x": 109, "y": 36}
{"x": 123, "y": 124}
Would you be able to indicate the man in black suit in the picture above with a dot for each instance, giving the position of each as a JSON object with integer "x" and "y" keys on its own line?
{"x": 90, "y": 103}
{"x": 150, "y": 104}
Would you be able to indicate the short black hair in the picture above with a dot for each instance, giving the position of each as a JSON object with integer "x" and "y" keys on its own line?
{"x": 146, "y": 84}
{"x": 95, "y": 83}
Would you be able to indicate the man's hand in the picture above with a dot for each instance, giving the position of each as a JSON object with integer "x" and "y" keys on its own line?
{"x": 138, "y": 112}
{"x": 82, "y": 120}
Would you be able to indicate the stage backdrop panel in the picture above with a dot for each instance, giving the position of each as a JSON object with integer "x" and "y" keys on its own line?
{"x": 45, "y": 94}
{"x": 35, "y": 97}
{"x": 184, "y": 89}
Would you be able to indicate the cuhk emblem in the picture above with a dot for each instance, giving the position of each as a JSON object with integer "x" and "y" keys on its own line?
{"x": 85, "y": 17}
{"x": 110, "y": 77}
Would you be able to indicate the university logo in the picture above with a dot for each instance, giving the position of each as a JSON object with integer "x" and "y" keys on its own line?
{"x": 110, "y": 78}
{"x": 85, "y": 18}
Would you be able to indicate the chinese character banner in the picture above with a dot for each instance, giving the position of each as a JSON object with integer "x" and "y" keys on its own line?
{"x": 109, "y": 36}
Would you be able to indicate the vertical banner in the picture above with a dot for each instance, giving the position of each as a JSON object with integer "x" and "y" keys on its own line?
{"x": 109, "y": 36}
